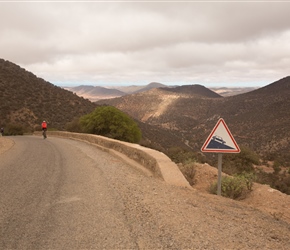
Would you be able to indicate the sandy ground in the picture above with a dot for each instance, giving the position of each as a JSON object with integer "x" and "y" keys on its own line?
{"x": 262, "y": 197}
{"x": 5, "y": 144}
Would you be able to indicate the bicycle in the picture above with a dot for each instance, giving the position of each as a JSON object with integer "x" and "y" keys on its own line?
{"x": 44, "y": 134}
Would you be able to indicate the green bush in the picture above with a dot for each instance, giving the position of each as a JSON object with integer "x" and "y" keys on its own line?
{"x": 282, "y": 184}
{"x": 14, "y": 129}
{"x": 236, "y": 187}
{"x": 180, "y": 155}
{"x": 242, "y": 162}
{"x": 153, "y": 145}
{"x": 248, "y": 179}
{"x": 73, "y": 126}
{"x": 111, "y": 122}
{"x": 276, "y": 169}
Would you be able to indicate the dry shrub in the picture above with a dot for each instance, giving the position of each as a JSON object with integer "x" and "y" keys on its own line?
{"x": 189, "y": 171}
{"x": 236, "y": 187}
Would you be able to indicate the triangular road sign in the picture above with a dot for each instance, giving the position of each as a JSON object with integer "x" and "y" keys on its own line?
{"x": 220, "y": 140}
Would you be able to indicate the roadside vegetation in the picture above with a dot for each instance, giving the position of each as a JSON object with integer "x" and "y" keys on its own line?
{"x": 236, "y": 187}
{"x": 14, "y": 129}
{"x": 242, "y": 171}
{"x": 107, "y": 121}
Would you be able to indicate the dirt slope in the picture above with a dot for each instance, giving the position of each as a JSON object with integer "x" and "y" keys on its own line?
{"x": 263, "y": 197}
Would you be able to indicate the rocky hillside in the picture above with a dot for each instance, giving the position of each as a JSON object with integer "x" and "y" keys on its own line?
{"x": 258, "y": 119}
{"x": 27, "y": 100}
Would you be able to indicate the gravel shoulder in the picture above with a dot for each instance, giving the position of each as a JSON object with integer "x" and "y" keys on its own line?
{"x": 5, "y": 144}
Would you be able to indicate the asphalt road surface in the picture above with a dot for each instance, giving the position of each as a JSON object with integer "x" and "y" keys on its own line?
{"x": 65, "y": 194}
{"x": 58, "y": 194}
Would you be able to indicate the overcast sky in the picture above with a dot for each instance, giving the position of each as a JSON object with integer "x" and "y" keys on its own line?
{"x": 106, "y": 43}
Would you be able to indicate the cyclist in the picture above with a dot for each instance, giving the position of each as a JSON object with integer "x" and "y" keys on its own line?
{"x": 44, "y": 128}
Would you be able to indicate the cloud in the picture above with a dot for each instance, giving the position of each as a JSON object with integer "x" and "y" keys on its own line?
{"x": 139, "y": 42}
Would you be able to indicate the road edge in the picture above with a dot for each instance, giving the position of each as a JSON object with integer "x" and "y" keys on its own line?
{"x": 153, "y": 161}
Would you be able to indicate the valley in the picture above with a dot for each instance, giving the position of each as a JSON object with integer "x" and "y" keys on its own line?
{"x": 170, "y": 118}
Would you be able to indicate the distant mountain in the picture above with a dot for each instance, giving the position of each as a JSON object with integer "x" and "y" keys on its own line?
{"x": 152, "y": 85}
{"x": 128, "y": 89}
{"x": 149, "y": 105}
{"x": 26, "y": 100}
{"x": 94, "y": 93}
{"x": 196, "y": 89}
{"x": 258, "y": 119}
{"x": 230, "y": 91}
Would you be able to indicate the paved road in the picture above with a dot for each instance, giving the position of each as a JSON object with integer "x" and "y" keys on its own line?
{"x": 55, "y": 194}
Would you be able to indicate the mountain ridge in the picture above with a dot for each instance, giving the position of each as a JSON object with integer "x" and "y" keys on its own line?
{"x": 86, "y": 91}
{"x": 26, "y": 100}
{"x": 258, "y": 119}
{"x": 195, "y": 89}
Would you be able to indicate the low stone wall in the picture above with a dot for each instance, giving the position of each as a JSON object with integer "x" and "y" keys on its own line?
{"x": 154, "y": 161}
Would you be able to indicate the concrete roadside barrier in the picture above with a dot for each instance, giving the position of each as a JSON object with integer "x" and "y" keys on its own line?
{"x": 153, "y": 161}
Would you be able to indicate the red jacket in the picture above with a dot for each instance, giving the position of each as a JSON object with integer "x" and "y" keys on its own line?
{"x": 44, "y": 125}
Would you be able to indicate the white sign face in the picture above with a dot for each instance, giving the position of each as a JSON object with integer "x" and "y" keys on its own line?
{"x": 220, "y": 140}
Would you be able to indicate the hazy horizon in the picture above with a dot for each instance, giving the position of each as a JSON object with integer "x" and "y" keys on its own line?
{"x": 145, "y": 84}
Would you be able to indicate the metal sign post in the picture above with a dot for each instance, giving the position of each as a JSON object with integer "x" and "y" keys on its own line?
{"x": 219, "y": 184}
{"x": 220, "y": 141}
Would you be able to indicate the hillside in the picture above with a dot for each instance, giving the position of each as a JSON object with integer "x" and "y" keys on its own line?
{"x": 226, "y": 91}
{"x": 197, "y": 90}
{"x": 258, "y": 119}
{"x": 95, "y": 93}
{"x": 27, "y": 100}
{"x": 150, "y": 105}
{"x": 152, "y": 85}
